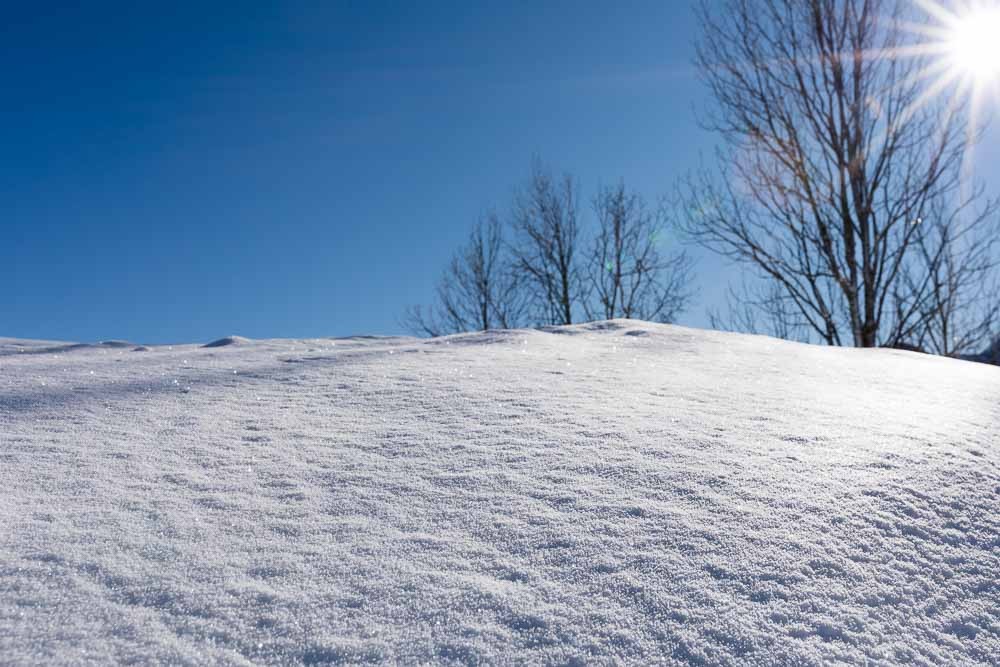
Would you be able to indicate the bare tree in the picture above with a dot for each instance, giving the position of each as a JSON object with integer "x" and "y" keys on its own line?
{"x": 626, "y": 274}
{"x": 546, "y": 247}
{"x": 958, "y": 285}
{"x": 760, "y": 308}
{"x": 478, "y": 291}
{"x": 838, "y": 165}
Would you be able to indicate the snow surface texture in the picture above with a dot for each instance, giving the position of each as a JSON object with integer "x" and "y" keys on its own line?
{"x": 600, "y": 493}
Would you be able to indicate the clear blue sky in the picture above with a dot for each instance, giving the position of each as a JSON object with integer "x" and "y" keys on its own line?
{"x": 182, "y": 171}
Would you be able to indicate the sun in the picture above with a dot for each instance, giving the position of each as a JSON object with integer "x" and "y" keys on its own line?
{"x": 974, "y": 44}
{"x": 962, "y": 40}
{"x": 959, "y": 43}
{"x": 963, "y": 37}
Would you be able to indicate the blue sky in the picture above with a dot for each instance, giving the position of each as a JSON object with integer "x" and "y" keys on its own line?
{"x": 180, "y": 172}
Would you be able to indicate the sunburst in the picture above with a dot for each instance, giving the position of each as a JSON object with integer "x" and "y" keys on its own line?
{"x": 974, "y": 45}
{"x": 961, "y": 38}
{"x": 966, "y": 38}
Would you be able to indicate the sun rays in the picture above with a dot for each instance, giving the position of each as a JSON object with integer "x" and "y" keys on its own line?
{"x": 959, "y": 40}
{"x": 964, "y": 40}
{"x": 974, "y": 45}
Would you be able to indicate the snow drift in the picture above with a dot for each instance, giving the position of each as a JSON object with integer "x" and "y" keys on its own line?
{"x": 227, "y": 341}
{"x": 598, "y": 493}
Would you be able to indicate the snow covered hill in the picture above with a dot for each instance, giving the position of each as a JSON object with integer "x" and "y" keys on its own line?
{"x": 611, "y": 492}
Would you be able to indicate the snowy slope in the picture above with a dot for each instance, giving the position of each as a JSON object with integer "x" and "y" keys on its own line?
{"x": 601, "y": 493}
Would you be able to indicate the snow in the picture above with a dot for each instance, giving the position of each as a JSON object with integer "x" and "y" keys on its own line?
{"x": 227, "y": 341}
{"x": 602, "y": 493}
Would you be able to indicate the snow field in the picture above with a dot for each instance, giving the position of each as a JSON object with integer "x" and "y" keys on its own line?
{"x": 605, "y": 493}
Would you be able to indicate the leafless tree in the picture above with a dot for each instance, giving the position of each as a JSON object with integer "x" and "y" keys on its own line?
{"x": 843, "y": 179}
{"x": 545, "y": 249}
{"x": 760, "y": 308}
{"x": 478, "y": 291}
{"x": 957, "y": 282}
{"x": 626, "y": 274}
